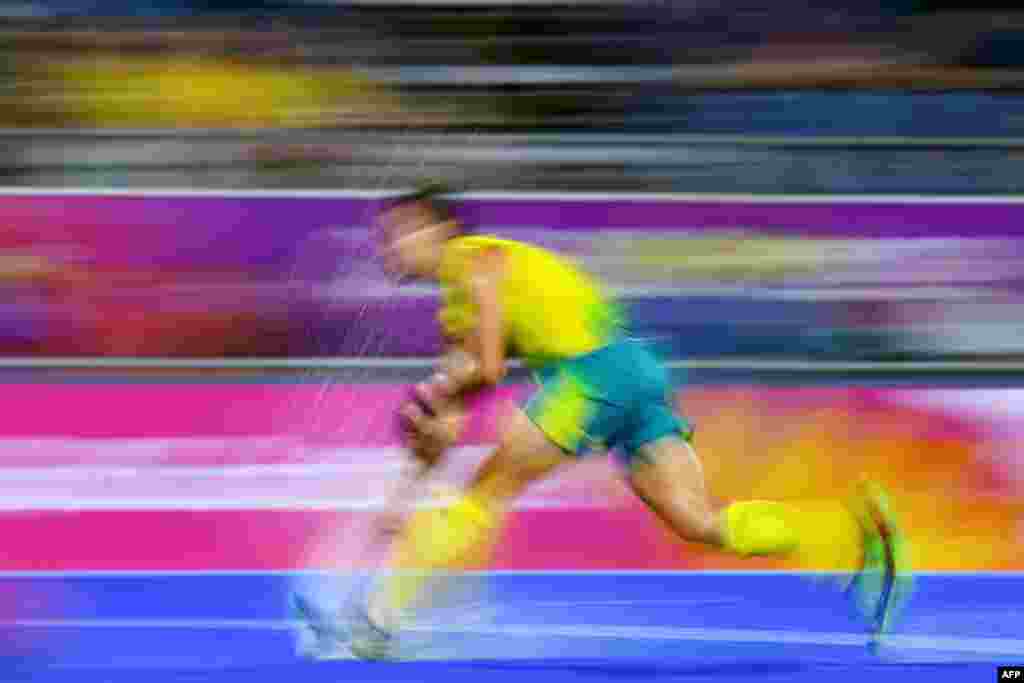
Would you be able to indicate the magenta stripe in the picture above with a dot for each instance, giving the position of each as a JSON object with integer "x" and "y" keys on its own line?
{"x": 264, "y": 540}
{"x": 352, "y": 415}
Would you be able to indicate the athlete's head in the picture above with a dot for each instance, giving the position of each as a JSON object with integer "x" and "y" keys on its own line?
{"x": 414, "y": 228}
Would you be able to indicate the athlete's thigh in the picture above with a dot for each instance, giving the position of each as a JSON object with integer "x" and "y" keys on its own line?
{"x": 525, "y": 454}
{"x": 652, "y": 414}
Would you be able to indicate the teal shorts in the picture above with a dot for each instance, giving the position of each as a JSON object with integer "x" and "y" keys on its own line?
{"x": 616, "y": 398}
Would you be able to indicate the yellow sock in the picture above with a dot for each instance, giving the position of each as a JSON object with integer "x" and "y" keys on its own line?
{"x": 438, "y": 540}
{"x": 830, "y": 536}
{"x": 821, "y": 535}
{"x": 760, "y": 527}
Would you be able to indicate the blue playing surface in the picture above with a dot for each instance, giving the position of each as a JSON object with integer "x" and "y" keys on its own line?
{"x": 532, "y": 627}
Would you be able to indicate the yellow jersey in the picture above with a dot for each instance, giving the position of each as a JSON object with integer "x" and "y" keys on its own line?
{"x": 552, "y": 309}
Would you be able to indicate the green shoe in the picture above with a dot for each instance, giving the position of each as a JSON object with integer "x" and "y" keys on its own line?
{"x": 882, "y": 587}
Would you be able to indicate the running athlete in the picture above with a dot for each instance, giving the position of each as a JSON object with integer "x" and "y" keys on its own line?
{"x": 598, "y": 391}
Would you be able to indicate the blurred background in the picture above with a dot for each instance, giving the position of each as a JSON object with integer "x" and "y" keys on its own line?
{"x": 360, "y": 99}
{"x": 907, "y": 96}
{"x": 198, "y": 347}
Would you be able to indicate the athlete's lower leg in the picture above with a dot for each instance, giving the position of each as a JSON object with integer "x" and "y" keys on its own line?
{"x": 668, "y": 476}
{"x": 464, "y": 532}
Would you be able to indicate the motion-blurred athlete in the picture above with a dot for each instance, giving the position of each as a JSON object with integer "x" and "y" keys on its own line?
{"x": 598, "y": 391}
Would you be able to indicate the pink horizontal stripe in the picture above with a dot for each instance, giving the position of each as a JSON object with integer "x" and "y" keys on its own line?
{"x": 349, "y": 415}
{"x": 578, "y": 539}
{"x": 265, "y": 540}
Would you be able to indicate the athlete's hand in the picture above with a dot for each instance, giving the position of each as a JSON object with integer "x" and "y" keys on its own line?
{"x": 436, "y": 396}
{"x": 430, "y": 434}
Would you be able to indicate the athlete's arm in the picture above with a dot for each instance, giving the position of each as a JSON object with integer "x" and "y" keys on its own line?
{"x": 477, "y": 361}
{"x": 435, "y": 417}
{"x": 488, "y": 339}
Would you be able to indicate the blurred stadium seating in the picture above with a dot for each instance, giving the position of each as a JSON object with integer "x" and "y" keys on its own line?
{"x": 718, "y": 96}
